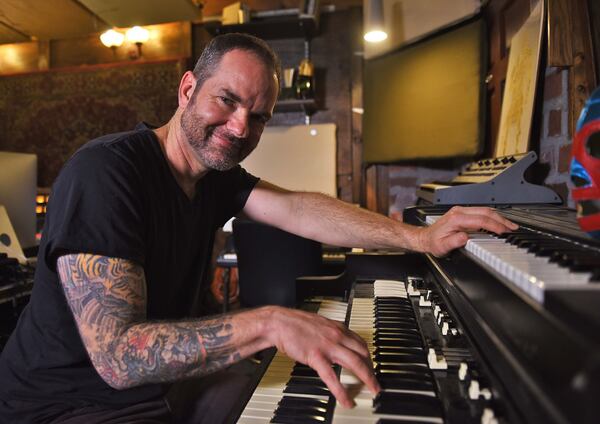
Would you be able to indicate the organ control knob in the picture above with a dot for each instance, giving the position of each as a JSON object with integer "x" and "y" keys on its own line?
{"x": 436, "y": 362}
{"x": 463, "y": 368}
{"x": 488, "y": 417}
{"x": 475, "y": 391}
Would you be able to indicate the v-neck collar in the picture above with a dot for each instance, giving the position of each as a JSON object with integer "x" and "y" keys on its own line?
{"x": 143, "y": 126}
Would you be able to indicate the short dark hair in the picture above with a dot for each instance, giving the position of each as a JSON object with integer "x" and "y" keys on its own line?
{"x": 215, "y": 50}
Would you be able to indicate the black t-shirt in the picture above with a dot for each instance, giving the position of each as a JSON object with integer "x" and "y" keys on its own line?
{"x": 115, "y": 197}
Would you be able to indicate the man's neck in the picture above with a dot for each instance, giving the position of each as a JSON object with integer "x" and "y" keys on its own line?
{"x": 185, "y": 167}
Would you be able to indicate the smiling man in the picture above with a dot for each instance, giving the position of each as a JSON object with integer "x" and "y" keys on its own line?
{"x": 113, "y": 319}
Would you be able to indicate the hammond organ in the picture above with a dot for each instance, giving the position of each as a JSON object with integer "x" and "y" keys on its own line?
{"x": 505, "y": 330}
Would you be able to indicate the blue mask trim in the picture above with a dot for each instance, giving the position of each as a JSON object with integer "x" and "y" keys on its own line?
{"x": 594, "y": 234}
{"x": 591, "y": 110}
{"x": 577, "y": 170}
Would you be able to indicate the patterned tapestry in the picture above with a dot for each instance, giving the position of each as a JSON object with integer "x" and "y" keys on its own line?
{"x": 52, "y": 113}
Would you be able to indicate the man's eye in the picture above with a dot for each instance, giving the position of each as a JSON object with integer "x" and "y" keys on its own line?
{"x": 227, "y": 101}
{"x": 260, "y": 119}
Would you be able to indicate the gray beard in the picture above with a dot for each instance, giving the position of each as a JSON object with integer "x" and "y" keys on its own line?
{"x": 199, "y": 140}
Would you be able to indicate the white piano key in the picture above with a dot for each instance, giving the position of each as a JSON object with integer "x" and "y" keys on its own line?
{"x": 264, "y": 401}
{"x": 532, "y": 275}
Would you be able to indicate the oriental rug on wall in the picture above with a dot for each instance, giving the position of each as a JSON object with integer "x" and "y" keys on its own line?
{"x": 53, "y": 113}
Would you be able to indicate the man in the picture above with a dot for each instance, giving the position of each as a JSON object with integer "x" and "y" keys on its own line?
{"x": 128, "y": 234}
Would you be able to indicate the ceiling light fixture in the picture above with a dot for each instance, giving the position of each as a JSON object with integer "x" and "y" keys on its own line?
{"x": 375, "y": 30}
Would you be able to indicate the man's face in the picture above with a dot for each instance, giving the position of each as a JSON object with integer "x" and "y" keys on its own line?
{"x": 225, "y": 117}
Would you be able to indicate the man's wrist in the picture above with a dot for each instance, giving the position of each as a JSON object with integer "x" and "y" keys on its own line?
{"x": 268, "y": 325}
{"x": 417, "y": 238}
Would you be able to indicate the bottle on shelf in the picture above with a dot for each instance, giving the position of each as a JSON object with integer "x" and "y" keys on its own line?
{"x": 304, "y": 84}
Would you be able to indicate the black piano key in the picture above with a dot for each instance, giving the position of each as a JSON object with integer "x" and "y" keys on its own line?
{"x": 399, "y": 343}
{"x": 386, "y": 350}
{"x": 390, "y": 339}
{"x": 393, "y": 306}
{"x": 299, "y": 411}
{"x": 407, "y": 404}
{"x": 562, "y": 255}
{"x": 307, "y": 389}
{"x": 400, "y": 358}
{"x": 395, "y": 313}
{"x": 405, "y": 384}
{"x": 387, "y": 370}
{"x": 417, "y": 368}
{"x": 400, "y": 337}
{"x": 545, "y": 250}
{"x": 512, "y": 234}
{"x": 419, "y": 375}
{"x": 399, "y": 421}
{"x": 391, "y": 299}
{"x": 392, "y": 318}
{"x": 304, "y": 372}
{"x": 290, "y": 419}
{"x": 409, "y": 332}
{"x": 580, "y": 262}
{"x": 297, "y": 401}
{"x": 300, "y": 381}
{"x": 404, "y": 304}
{"x": 397, "y": 326}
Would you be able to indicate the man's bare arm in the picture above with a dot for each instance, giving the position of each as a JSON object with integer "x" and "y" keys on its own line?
{"x": 108, "y": 299}
{"x": 323, "y": 218}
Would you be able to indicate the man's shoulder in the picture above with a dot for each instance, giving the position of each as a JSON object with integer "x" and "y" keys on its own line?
{"x": 123, "y": 153}
{"x": 127, "y": 142}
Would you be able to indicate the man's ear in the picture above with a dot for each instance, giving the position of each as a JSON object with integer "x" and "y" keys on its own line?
{"x": 187, "y": 85}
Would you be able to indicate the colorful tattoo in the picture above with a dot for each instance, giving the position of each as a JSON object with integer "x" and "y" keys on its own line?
{"x": 108, "y": 299}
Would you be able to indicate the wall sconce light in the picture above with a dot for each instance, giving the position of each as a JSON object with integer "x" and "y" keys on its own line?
{"x": 139, "y": 36}
{"x": 112, "y": 39}
{"x": 375, "y": 30}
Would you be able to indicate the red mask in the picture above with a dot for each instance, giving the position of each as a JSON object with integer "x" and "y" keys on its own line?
{"x": 585, "y": 167}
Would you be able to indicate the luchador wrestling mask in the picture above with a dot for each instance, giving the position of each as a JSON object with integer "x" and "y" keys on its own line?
{"x": 585, "y": 166}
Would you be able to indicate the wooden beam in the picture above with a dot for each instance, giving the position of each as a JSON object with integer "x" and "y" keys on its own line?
{"x": 582, "y": 78}
{"x": 377, "y": 188}
{"x": 560, "y": 43}
{"x": 356, "y": 75}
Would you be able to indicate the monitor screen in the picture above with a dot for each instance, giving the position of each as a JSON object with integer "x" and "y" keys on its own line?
{"x": 18, "y": 186}
{"x": 427, "y": 100}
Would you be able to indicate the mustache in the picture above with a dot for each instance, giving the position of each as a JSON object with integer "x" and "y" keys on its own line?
{"x": 236, "y": 141}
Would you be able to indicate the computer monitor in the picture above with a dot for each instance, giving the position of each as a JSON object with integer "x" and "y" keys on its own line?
{"x": 18, "y": 186}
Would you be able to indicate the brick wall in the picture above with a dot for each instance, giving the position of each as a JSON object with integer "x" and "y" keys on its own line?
{"x": 555, "y": 140}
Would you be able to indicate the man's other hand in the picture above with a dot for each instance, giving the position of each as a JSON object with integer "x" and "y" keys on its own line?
{"x": 450, "y": 231}
{"x": 319, "y": 343}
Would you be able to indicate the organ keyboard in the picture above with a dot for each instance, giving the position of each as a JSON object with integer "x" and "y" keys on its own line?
{"x": 490, "y": 334}
{"x": 290, "y": 392}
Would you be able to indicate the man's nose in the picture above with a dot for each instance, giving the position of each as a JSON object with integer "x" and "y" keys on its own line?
{"x": 238, "y": 124}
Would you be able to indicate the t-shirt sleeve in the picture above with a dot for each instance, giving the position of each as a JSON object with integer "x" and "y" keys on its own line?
{"x": 96, "y": 207}
{"x": 234, "y": 188}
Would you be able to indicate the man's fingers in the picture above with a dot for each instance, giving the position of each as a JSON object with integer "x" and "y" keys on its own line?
{"x": 327, "y": 374}
{"x": 360, "y": 367}
{"x": 486, "y": 212}
{"x": 468, "y": 222}
{"x": 355, "y": 343}
{"x": 451, "y": 242}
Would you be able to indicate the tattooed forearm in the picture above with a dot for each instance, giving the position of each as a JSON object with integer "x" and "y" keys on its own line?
{"x": 108, "y": 300}
{"x": 157, "y": 352}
